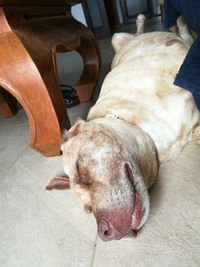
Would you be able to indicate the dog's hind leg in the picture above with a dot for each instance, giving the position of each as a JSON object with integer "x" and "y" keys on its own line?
{"x": 121, "y": 39}
{"x": 184, "y": 31}
{"x": 140, "y": 24}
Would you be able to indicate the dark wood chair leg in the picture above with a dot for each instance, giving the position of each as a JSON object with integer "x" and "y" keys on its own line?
{"x": 90, "y": 54}
{"x": 8, "y": 104}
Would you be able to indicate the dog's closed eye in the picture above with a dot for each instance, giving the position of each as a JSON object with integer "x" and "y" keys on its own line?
{"x": 82, "y": 180}
{"x": 82, "y": 177}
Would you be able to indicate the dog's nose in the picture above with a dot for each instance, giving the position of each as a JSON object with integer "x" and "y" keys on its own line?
{"x": 106, "y": 231}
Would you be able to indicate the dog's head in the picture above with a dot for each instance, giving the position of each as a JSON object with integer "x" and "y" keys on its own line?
{"x": 106, "y": 175}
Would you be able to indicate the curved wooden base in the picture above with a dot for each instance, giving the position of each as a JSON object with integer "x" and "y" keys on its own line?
{"x": 28, "y": 67}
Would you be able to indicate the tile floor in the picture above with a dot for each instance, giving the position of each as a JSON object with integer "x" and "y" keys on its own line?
{"x": 49, "y": 229}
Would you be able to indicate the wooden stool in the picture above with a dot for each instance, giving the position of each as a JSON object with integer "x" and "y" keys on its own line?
{"x": 31, "y": 31}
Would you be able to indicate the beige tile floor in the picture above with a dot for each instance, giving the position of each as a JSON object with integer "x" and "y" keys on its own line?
{"x": 49, "y": 229}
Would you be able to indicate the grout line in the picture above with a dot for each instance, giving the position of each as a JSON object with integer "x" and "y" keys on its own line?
{"x": 94, "y": 251}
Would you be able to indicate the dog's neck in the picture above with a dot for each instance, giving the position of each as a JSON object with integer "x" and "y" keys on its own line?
{"x": 137, "y": 144}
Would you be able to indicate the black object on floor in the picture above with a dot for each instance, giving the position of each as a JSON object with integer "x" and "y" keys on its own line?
{"x": 69, "y": 95}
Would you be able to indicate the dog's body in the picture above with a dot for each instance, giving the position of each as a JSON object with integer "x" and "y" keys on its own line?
{"x": 140, "y": 90}
{"x": 139, "y": 120}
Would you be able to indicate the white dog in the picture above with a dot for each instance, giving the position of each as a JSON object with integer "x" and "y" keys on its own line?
{"x": 140, "y": 120}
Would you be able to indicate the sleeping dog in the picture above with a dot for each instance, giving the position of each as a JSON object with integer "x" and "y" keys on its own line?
{"x": 139, "y": 121}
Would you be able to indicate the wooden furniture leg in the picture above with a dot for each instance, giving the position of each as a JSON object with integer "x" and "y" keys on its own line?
{"x": 29, "y": 39}
{"x": 45, "y": 126}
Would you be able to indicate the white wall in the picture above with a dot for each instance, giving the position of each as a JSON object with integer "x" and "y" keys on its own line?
{"x": 78, "y": 14}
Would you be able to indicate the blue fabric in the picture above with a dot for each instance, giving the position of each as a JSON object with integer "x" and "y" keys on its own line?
{"x": 188, "y": 76}
{"x": 189, "y": 9}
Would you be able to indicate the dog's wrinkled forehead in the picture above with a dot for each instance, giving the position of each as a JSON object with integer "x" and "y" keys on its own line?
{"x": 92, "y": 148}
{"x": 95, "y": 151}
{"x": 90, "y": 139}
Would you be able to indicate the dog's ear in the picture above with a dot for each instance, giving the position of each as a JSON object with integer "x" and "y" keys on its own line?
{"x": 73, "y": 131}
{"x": 59, "y": 182}
{"x": 129, "y": 172}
